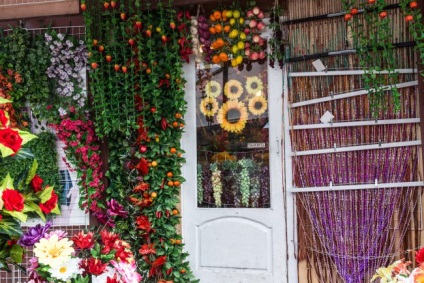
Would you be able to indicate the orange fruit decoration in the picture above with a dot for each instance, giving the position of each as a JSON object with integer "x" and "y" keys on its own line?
{"x": 218, "y": 28}
{"x": 227, "y": 29}
{"x": 220, "y": 42}
{"x": 223, "y": 57}
{"x": 215, "y": 59}
{"x": 212, "y": 30}
{"x": 217, "y": 15}
{"x": 212, "y": 18}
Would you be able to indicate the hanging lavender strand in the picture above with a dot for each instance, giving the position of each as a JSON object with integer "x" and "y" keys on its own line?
{"x": 254, "y": 187}
{"x": 199, "y": 184}
{"x": 207, "y": 185}
{"x": 264, "y": 181}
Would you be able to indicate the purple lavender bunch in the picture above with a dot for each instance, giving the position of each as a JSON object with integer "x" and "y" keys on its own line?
{"x": 34, "y": 234}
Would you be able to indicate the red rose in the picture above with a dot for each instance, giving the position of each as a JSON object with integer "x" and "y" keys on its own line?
{"x": 83, "y": 241}
{"x": 419, "y": 256}
{"x": 3, "y": 118}
{"x": 11, "y": 139}
{"x": 37, "y": 183}
{"x": 13, "y": 200}
{"x": 49, "y": 205}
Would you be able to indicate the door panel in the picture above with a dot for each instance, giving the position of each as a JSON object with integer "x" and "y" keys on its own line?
{"x": 234, "y": 234}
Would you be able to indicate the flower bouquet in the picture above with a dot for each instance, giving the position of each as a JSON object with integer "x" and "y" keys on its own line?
{"x": 399, "y": 272}
{"x": 24, "y": 196}
{"x": 87, "y": 257}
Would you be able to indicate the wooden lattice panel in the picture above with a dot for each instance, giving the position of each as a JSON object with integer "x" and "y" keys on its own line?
{"x": 21, "y": 9}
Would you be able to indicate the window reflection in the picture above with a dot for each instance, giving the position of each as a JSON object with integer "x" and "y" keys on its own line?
{"x": 232, "y": 136}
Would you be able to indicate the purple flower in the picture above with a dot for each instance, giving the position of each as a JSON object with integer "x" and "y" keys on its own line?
{"x": 116, "y": 209}
{"x": 104, "y": 219}
{"x": 60, "y": 234}
{"x": 34, "y": 234}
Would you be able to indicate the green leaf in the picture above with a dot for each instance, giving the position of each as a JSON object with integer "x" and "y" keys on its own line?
{"x": 5, "y": 151}
{"x": 45, "y": 194}
{"x": 26, "y": 136}
{"x": 3, "y": 100}
{"x": 32, "y": 171}
{"x": 35, "y": 208}
{"x": 4, "y": 266}
{"x": 24, "y": 153}
{"x": 16, "y": 253}
{"x": 10, "y": 226}
{"x": 18, "y": 215}
{"x": 7, "y": 183}
{"x": 56, "y": 210}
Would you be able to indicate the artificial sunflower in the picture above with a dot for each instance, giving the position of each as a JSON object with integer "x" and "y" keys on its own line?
{"x": 254, "y": 85}
{"x": 208, "y": 106}
{"x": 258, "y": 105}
{"x": 213, "y": 89}
{"x": 232, "y": 116}
{"x": 233, "y": 89}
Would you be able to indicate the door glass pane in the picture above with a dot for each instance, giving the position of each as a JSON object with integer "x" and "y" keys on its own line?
{"x": 232, "y": 136}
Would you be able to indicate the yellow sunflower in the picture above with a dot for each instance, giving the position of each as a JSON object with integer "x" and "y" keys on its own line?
{"x": 232, "y": 116}
{"x": 233, "y": 89}
{"x": 208, "y": 106}
{"x": 258, "y": 105}
{"x": 254, "y": 85}
{"x": 213, "y": 89}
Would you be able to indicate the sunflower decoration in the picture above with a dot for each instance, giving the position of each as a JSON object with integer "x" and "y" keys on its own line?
{"x": 233, "y": 116}
{"x": 258, "y": 105}
{"x": 213, "y": 89}
{"x": 233, "y": 89}
{"x": 208, "y": 106}
{"x": 254, "y": 85}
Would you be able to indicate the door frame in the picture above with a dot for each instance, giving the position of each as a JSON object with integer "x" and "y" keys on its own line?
{"x": 278, "y": 200}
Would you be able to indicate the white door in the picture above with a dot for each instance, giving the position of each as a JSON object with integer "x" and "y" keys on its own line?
{"x": 236, "y": 232}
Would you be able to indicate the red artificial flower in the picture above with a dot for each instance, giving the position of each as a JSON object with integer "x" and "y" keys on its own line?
{"x": 37, "y": 183}
{"x": 147, "y": 249}
{"x": 13, "y": 200}
{"x": 142, "y": 167}
{"x": 143, "y": 223}
{"x": 141, "y": 187}
{"x": 123, "y": 252}
{"x": 156, "y": 265}
{"x": 93, "y": 266}
{"x": 3, "y": 118}
{"x": 49, "y": 205}
{"x": 1, "y": 217}
{"x": 11, "y": 139}
{"x": 83, "y": 241}
{"x": 115, "y": 279}
{"x": 109, "y": 239}
{"x": 419, "y": 256}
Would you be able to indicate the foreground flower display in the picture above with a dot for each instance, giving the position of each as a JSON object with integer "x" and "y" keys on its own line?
{"x": 399, "y": 272}
{"x": 88, "y": 256}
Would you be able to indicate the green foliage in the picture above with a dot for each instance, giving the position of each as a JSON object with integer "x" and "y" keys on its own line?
{"x": 29, "y": 57}
{"x": 376, "y": 53}
{"x": 44, "y": 151}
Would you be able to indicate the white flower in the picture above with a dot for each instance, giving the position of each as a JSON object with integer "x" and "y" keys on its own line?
{"x": 193, "y": 30}
{"x": 62, "y": 111}
{"x": 109, "y": 272}
{"x": 61, "y": 37}
{"x": 67, "y": 270}
{"x": 194, "y": 22}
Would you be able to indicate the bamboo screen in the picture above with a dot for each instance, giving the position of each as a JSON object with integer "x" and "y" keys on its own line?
{"x": 343, "y": 236}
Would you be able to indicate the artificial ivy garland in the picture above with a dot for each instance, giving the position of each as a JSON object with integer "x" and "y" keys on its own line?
{"x": 138, "y": 99}
{"x": 375, "y": 51}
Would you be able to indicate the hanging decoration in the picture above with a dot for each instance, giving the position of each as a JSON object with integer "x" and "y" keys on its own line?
{"x": 138, "y": 99}
{"x": 375, "y": 51}
{"x": 413, "y": 16}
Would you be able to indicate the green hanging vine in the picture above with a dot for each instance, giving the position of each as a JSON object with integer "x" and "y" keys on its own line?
{"x": 413, "y": 16}
{"x": 375, "y": 51}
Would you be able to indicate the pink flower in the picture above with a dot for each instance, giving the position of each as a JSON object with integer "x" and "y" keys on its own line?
{"x": 127, "y": 271}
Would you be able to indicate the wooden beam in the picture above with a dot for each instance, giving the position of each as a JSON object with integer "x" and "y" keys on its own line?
{"x": 38, "y": 9}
